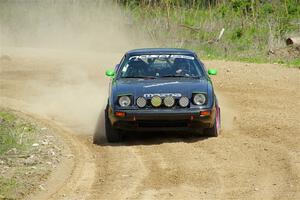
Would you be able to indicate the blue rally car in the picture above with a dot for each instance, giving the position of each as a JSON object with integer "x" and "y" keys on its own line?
{"x": 160, "y": 89}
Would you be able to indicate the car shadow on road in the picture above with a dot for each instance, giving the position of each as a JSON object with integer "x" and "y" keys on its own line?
{"x": 155, "y": 138}
{"x": 145, "y": 138}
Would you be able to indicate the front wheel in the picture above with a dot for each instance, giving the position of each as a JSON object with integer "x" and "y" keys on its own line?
{"x": 112, "y": 135}
{"x": 215, "y": 130}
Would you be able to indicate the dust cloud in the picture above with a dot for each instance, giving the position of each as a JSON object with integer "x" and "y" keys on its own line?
{"x": 59, "y": 50}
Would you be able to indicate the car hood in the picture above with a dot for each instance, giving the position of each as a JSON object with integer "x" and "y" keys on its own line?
{"x": 140, "y": 87}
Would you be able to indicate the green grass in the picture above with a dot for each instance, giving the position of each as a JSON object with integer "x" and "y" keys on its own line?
{"x": 16, "y": 138}
{"x": 15, "y": 133}
{"x": 250, "y": 30}
{"x": 295, "y": 63}
{"x": 8, "y": 185}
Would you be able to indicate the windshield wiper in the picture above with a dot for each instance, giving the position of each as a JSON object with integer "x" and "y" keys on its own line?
{"x": 143, "y": 77}
{"x": 179, "y": 75}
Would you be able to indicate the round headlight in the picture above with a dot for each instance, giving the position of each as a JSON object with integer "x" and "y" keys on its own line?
{"x": 141, "y": 102}
{"x": 184, "y": 102}
{"x": 124, "y": 101}
{"x": 199, "y": 99}
{"x": 156, "y": 101}
{"x": 169, "y": 101}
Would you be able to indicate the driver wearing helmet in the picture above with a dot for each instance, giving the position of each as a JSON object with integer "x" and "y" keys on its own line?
{"x": 137, "y": 68}
{"x": 182, "y": 67}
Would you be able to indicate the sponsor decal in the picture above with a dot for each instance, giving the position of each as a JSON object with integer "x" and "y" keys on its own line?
{"x": 161, "y": 57}
{"x": 176, "y": 95}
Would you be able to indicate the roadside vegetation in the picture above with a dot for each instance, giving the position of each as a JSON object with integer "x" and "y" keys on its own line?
{"x": 15, "y": 134}
{"x": 26, "y": 156}
{"x": 16, "y": 138}
{"x": 244, "y": 30}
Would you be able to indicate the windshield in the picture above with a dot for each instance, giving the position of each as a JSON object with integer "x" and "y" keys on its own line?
{"x": 160, "y": 66}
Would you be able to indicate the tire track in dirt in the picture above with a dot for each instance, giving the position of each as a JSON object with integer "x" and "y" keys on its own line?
{"x": 175, "y": 172}
{"x": 74, "y": 176}
{"x": 117, "y": 180}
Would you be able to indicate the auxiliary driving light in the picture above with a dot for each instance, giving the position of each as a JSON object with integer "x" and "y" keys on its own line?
{"x": 184, "y": 102}
{"x": 141, "y": 102}
{"x": 169, "y": 101}
{"x": 156, "y": 101}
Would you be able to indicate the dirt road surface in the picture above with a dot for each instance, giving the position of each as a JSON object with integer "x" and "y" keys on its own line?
{"x": 257, "y": 155}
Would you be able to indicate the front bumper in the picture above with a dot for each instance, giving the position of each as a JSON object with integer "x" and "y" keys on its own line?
{"x": 162, "y": 119}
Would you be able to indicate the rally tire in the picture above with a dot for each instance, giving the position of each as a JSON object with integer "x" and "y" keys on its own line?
{"x": 215, "y": 130}
{"x": 112, "y": 135}
{"x": 99, "y": 137}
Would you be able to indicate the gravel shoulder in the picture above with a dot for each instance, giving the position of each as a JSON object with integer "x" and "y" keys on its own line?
{"x": 29, "y": 153}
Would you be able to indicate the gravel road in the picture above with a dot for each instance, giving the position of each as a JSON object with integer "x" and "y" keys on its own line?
{"x": 257, "y": 155}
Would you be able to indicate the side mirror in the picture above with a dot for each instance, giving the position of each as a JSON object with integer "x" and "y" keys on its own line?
{"x": 110, "y": 73}
{"x": 212, "y": 71}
